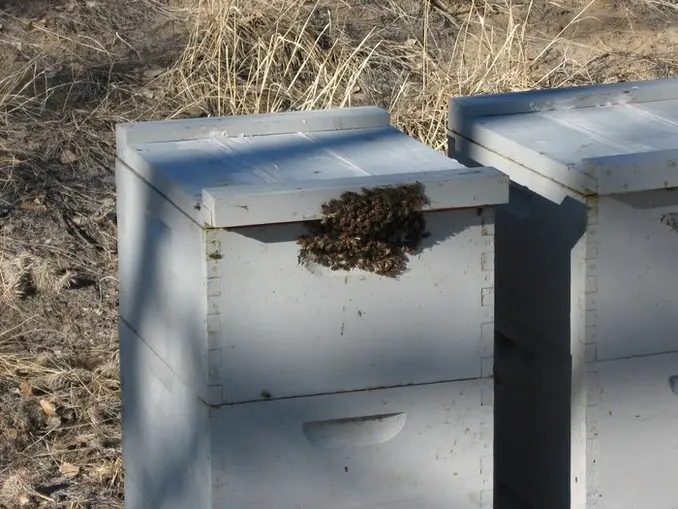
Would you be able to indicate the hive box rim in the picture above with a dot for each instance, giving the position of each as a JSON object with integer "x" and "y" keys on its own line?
{"x": 261, "y": 124}
{"x": 230, "y": 207}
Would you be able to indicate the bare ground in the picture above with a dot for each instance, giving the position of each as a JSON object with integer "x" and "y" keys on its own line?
{"x": 71, "y": 69}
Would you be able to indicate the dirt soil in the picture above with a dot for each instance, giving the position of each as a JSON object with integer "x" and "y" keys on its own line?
{"x": 71, "y": 69}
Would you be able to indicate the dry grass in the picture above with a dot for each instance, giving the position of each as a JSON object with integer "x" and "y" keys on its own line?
{"x": 68, "y": 74}
{"x": 251, "y": 57}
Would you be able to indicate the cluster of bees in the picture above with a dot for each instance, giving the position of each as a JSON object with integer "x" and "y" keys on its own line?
{"x": 670, "y": 220}
{"x": 373, "y": 230}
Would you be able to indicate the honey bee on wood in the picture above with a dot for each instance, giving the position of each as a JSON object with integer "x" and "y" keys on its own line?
{"x": 372, "y": 230}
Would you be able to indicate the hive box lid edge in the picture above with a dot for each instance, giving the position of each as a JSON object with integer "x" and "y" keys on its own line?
{"x": 229, "y": 181}
{"x": 598, "y": 139}
{"x": 261, "y": 124}
{"x": 583, "y": 96}
{"x": 133, "y": 138}
{"x": 444, "y": 188}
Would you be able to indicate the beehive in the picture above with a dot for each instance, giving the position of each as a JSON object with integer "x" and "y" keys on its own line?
{"x": 586, "y": 301}
{"x": 254, "y": 377}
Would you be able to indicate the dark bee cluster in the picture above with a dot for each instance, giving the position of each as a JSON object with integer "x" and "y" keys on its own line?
{"x": 373, "y": 230}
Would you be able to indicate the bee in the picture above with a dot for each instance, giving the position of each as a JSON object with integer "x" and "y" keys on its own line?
{"x": 386, "y": 267}
{"x": 302, "y": 257}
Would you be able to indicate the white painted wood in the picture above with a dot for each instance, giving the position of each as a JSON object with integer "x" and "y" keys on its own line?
{"x": 425, "y": 446}
{"x": 636, "y": 418}
{"x": 635, "y": 279}
{"x": 593, "y": 149}
{"x": 645, "y": 171}
{"x": 664, "y": 110}
{"x": 471, "y": 152}
{"x": 585, "y": 255}
{"x": 537, "y": 143}
{"x": 250, "y": 125}
{"x": 582, "y": 152}
{"x": 429, "y": 445}
{"x": 607, "y": 269}
{"x": 622, "y": 126}
{"x": 567, "y": 98}
{"x": 233, "y": 356}
{"x": 229, "y": 182}
{"x": 162, "y": 277}
{"x": 319, "y": 331}
{"x": 279, "y": 203}
{"x": 165, "y": 431}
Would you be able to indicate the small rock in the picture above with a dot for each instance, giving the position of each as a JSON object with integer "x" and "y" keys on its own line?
{"x": 12, "y": 434}
{"x": 69, "y": 470}
{"x": 53, "y": 422}
{"x": 47, "y": 407}
{"x": 33, "y": 206}
{"x": 68, "y": 157}
{"x": 25, "y": 388}
{"x": 153, "y": 72}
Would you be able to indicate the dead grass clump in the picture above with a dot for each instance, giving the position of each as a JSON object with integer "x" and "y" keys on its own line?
{"x": 25, "y": 416}
{"x": 67, "y": 380}
{"x": 25, "y": 275}
{"x": 253, "y": 56}
{"x": 14, "y": 276}
{"x": 248, "y": 57}
{"x": 663, "y": 7}
{"x": 20, "y": 488}
{"x": 17, "y": 489}
{"x": 108, "y": 473}
{"x": 64, "y": 408}
{"x": 496, "y": 49}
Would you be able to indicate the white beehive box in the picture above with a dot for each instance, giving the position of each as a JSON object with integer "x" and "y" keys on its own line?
{"x": 251, "y": 381}
{"x": 585, "y": 277}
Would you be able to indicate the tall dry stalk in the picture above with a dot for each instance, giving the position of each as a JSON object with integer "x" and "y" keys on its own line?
{"x": 249, "y": 56}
